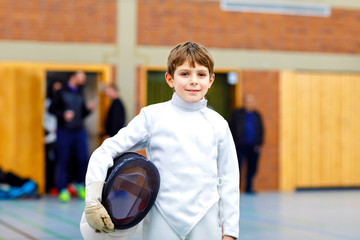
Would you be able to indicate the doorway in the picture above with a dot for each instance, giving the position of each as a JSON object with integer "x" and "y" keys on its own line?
{"x": 22, "y": 102}
{"x": 90, "y": 92}
{"x": 55, "y": 80}
{"x": 222, "y": 96}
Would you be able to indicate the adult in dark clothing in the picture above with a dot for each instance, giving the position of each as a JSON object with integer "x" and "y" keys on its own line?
{"x": 247, "y": 129}
{"x": 70, "y": 108}
{"x": 50, "y": 127}
{"x": 115, "y": 119}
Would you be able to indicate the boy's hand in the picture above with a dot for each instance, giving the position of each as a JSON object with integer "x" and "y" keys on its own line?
{"x": 96, "y": 215}
{"x": 98, "y": 218}
{"x": 228, "y": 238}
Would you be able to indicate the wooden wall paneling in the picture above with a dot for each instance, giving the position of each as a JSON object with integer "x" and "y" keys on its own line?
{"x": 314, "y": 129}
{"x": 345, "y": 114}
{"x": 8, "y": 119}
{"x": 319, "y": 130}
{"x": 349, "y": 139}
{"x": 355, "y": 169}
{"x": 287, "y": 138}
{"x": 356, "y": 141}
{"x": 21, "y": 132}
{"x": 302, "y": 157}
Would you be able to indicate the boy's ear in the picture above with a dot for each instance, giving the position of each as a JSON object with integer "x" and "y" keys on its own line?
{"x": 169, "y": 80}
{"x": 211, "y": 80}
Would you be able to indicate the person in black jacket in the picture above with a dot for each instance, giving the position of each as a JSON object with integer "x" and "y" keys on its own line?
{"x": 247, "y": 128}
{"x": 70, "y": 109}
{"x": 115, "y": 119}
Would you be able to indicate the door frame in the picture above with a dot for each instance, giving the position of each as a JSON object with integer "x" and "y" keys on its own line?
{"x": 141, "y": 100}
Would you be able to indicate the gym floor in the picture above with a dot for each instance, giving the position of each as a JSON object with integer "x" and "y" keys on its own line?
{"x": 310, "y": 215}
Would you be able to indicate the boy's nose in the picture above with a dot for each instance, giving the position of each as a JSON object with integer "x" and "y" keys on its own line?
{"x": 193, "y": 80}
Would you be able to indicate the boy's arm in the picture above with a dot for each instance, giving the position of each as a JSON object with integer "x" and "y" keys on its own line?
{"x": 228, "y": 171}
{"x": 133, "y": 137}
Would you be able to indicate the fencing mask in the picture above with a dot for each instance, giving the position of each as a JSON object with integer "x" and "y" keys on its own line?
{"x": 130, "y": 190}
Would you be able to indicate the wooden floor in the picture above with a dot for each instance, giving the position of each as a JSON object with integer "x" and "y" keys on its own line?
{"x": 313, "y": 215}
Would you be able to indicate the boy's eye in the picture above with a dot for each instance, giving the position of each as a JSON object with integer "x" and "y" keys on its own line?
{"x": 202, "y": 74}
{"x": 184, "y": 74}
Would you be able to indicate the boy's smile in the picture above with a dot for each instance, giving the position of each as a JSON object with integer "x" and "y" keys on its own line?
{"x": 190, "y": 83}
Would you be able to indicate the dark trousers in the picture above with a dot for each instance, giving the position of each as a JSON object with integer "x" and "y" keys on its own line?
{"x": 71, "y": 145}
{"x": 251, "y": 155}
{"x": 50, "y": 156}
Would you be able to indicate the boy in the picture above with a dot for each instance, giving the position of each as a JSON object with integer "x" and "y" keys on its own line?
{"x": 192, "y": 147}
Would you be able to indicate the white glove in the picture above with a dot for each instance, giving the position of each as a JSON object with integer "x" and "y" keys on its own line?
{"x": 95, "y": 213}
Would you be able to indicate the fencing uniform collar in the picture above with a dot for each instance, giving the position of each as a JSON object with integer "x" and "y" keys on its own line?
{"x": 188, "y": 106}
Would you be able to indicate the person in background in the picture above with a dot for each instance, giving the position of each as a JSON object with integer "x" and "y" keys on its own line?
{"x": 71, "y": 109}
{"x": 50, "y": 127}
{"x": 248, "y": 132}
{"x": 115, "y": 119}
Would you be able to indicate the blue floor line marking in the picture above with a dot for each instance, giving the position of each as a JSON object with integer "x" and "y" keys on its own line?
{"x": 17, "y": 230}
{"x": 32, "y": 224}
{"x": 299, "y": 227}
{"x": 51, "y": 215}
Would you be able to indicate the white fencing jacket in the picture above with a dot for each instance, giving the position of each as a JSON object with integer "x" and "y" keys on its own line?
{"x": 192, "y": 147}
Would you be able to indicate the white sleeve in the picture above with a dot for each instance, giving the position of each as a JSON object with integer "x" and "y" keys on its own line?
{"x": 228, "y": 172}
{"x": 131, "y": 138}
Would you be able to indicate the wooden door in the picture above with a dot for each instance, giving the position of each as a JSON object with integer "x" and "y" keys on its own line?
{"x": 21, "y": 107}
{"x": 320, "y": 130}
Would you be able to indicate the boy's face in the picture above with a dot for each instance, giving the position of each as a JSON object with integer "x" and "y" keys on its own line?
{"x": 190, "y": 83}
